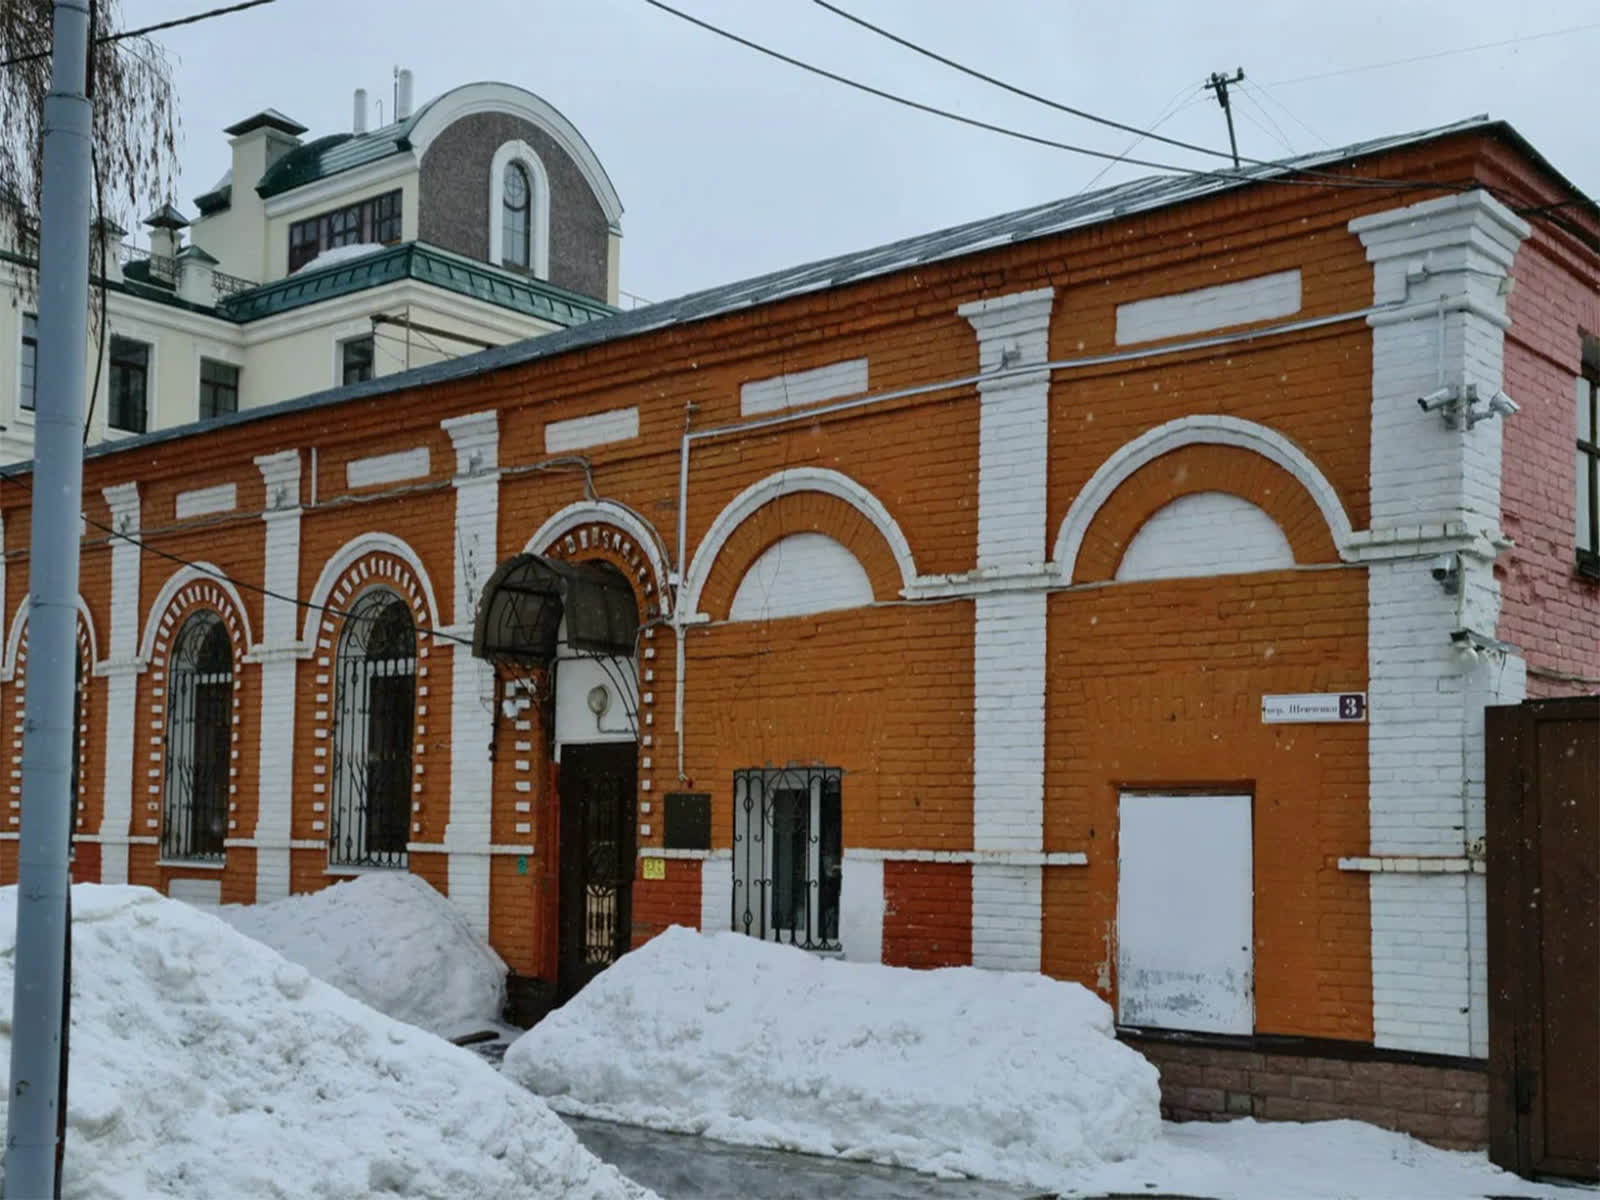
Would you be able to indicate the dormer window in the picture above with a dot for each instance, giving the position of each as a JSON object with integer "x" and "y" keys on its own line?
{"x": 519, "y": 211}
{"x": 516, "y": 198}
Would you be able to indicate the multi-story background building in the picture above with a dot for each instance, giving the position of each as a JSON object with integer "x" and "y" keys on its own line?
{"x": 480, "y": 219}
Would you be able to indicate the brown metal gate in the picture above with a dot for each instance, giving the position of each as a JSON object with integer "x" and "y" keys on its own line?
{"x": 597, "y": 854}
{"x": 1543, "y": 826}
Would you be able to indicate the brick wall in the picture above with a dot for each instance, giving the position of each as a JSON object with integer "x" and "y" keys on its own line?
{"x": 1445, "y": 1105}
{"x": 927, "y": 919}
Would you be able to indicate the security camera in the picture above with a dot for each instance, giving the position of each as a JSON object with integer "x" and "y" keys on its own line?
{"x": 1503, "y": 405}
{"x": 1446, "y": 571}
{"x": 1440, "y": 398}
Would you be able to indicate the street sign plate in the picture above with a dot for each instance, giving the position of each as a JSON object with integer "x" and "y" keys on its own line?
{"x": 1314, "y": 707}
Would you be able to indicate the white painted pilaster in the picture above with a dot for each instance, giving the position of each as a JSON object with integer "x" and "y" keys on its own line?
{"x": 279, "y": 655}
{"x": 1009, "y": 656}
{"x": 861, "y": 908}
{"x": 716, "y": 892}
{"x": 121, "y": 669}
{"x": 476, "y": 438}
{"x": 1435, "y": 533}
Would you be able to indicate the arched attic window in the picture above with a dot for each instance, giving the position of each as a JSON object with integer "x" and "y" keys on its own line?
{"x": 519, "y": 210}
{"x": 375, "y": 714}
{"x": 199, "y": 740}
{"x": 516, "y": 199}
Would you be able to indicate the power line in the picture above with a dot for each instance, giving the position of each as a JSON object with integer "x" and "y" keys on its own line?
{"x": 1172, "y": 108}
{"x": 1416, "y": 58}
{"x": 192, "y": 19}
{"x": 1276, "y": 132}
{"x": 1287, "y": 173}
{"x": 1083, "y": 114}
{"x": 1259, "y": 89}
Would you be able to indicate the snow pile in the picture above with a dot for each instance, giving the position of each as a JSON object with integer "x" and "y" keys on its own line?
{"x": 391, "y": 941}
{"x": 1323, "y": 1160}
{"x": 340, "y": 254}
{"x": 205, "y": 1065}
{"x": 1009, "y": 1077}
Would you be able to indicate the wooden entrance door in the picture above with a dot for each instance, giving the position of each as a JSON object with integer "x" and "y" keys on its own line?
{"x": 1542, "y": 818}
{"x": 597, "y": 852}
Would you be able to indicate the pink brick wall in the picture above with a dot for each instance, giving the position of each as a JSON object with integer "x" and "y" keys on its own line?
{"x": 1547, "y": 609}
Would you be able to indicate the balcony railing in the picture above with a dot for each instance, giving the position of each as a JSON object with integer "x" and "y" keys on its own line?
{"x": 164, "y": 271}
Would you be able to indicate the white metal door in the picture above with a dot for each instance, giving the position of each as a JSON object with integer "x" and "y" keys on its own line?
{"x": 1184, "y": 926}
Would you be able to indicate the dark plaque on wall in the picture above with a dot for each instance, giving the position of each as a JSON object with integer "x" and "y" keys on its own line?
{"x": 686, "y": 821}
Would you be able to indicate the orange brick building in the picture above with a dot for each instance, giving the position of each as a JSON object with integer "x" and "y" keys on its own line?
{"x": 1083, "y": 590}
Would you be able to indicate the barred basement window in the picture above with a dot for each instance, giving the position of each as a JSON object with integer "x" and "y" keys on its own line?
{"x": 787, "y": 856}
{"x": 374, "y": 714}
{"x": 199, "y": 740}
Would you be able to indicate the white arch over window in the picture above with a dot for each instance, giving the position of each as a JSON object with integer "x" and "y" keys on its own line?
{"x": 440, "y": 113}
{"x": 1205, "y": 533}
{"x": 200, "y": 572}
{"x": 345, "y": 556}
{"x": 800, "y": 574}
{"x": 783, "y": 483}
{"x": 1190, "y": 431}
{"x": 522, "y": 154}
{"x": 14, "y": 639}
{"x": 608, "y": 512}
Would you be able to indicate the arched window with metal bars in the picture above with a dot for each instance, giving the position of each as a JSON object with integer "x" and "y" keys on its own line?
{"x": 199, "y": 740}
{"x": 375, "y": 711}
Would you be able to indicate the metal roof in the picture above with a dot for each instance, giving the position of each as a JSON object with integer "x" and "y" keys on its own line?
{"x": 1042, "y": 220}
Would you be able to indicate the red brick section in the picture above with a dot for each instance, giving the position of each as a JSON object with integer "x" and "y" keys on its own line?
{"x": 1158, "y": 685}
{"x": 1547, "y": 609}
{"x": 1448, "y": 1106}
{"x": 927, "y": 914}
{"x": 674, "y": 900}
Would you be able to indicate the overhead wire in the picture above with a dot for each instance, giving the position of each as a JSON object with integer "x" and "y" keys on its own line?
{"x": 1286, "y": 173}
{"x": 1172, "y": 108}
{"x": 144, "y": 31}
{"x": 1259, "y": 89}
{"x": 1416, "y": 58}
{"x": 1276, "y": 132}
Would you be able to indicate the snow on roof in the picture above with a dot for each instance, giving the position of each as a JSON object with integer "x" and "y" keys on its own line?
{"x": 391, "y": 941}
{"x": 340, "y": 254}
{"x": 204, "y": 1066}
{"x": 1008, "y": 1076}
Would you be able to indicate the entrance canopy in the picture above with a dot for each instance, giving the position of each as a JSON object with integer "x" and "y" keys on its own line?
{"x": 520, "y": 611}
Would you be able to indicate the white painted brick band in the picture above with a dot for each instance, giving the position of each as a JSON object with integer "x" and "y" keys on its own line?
{"x": 1228, "y": 304}
{"x": 800, "y": 388}
{"x": 224, "y": 497}
{"x": 1006, "y": 906}
{"x": 387, "y": 468}
{"x": 577, "y": 433}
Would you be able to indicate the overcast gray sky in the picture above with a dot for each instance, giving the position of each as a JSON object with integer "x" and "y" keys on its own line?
{"x": 730, "y": 164}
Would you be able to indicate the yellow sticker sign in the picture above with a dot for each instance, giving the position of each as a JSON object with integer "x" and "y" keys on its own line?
{"x": 655, "y": 868}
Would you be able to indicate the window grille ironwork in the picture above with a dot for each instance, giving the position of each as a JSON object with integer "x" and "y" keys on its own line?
{"x": 787, "y": 855}
{"x": 374, "y": 714}
{"x": 199, "y": 740}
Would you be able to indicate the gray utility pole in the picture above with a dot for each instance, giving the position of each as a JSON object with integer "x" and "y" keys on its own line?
{"x": 38, "y": 1006}
{"x": 1219, "y": 84}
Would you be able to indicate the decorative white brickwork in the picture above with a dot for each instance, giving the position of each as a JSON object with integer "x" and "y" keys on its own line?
{"x": 1009, "y": 651}
{"x": 467, "y": 834}
{"x": 1227, "y": 304}
{"x": 1006, "y": 917}
{"x": 278, "y": 654}
{"x": 1435, "y": 520}
{"x": 1205, "y": 533}
{"x": 579, "y": 433}
{"x": 387, "y": 468}
{"x": 799, "y": 574}
{"x": 798, "y": 389}
{"x": 19, "y": 693}
{"x": 199, "y": 502}
{"x": 716, "y": 892}
{"x": 122, "y": 668}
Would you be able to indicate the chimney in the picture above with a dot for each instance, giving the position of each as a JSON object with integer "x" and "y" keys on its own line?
{"x": 360, "y": 123}
{"x": 196, "y": 276}
{"x": 166, "y": 236}
{"x": 402, "y": 94}
{"x": 109, "y": 234}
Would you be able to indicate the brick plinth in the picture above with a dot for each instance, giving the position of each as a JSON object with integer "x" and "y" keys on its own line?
{"x": 1445, "y": 1104}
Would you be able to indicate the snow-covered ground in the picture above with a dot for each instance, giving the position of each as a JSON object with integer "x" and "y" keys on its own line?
{"x": 205, "y": 1065}
{"x": 391, "y": 941}
{"x": 956, "y": 1071}
{"x": 1004, "y": 1077}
